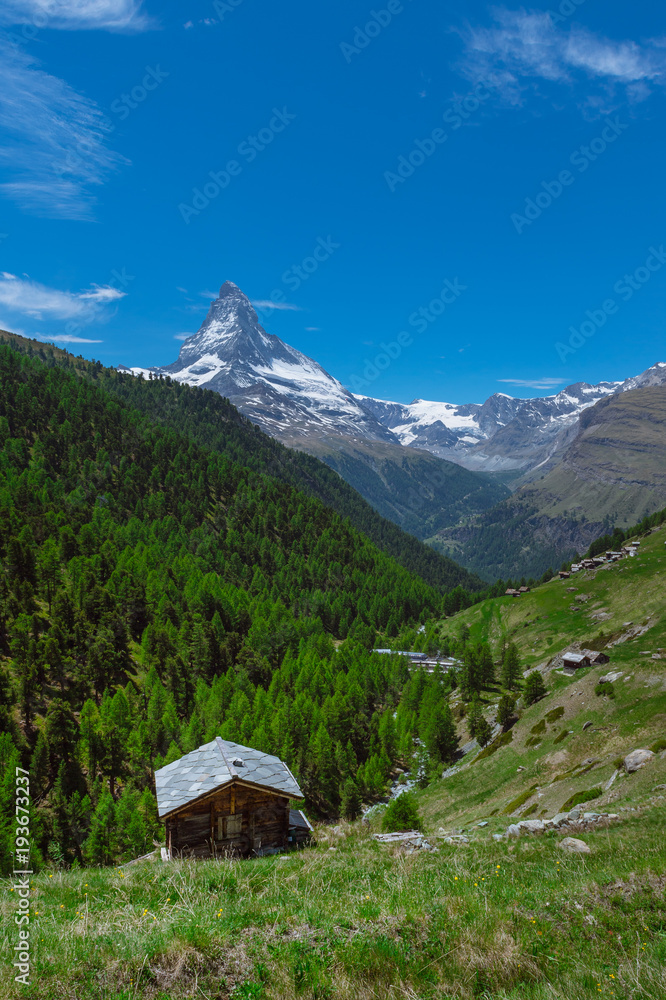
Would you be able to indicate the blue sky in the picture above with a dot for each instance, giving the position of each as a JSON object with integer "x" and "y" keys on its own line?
{"x": 514, "y": 152}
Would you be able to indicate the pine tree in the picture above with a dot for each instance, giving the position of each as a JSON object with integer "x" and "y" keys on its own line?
{"x": 470, "y": 676}
{"x": 101, "y": 844}
{"x": 351, "y": 800}
{"x": 479, "y": 728}
{"x": 535, "y": 689}
{"x": 511, "y": 669}
{"x": 440, "y": 737}
{"x": 507, "y": 704}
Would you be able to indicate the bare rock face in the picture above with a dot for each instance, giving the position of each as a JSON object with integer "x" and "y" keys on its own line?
{"x": 637, "y": 759}
{"x": 574, "y": 846}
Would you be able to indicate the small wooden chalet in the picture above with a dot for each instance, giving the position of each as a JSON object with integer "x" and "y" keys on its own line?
{"x": 595, "y": 656}
{"x": 226, "y": 799}
{"x": 574, "y": 661}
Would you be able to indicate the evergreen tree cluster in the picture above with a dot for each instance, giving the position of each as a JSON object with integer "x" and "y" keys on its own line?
{"x": 155, "y": 594}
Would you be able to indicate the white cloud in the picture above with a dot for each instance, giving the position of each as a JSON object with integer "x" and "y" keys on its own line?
{"x": 73, "y": 15}
{"x": 207, "y": 294}
{"x": 269, "y": 304}
{"x": 536, "y": 383}
{"x": 312, "y": 329}
{"x": 54, "y": 152}
{"x": 39, "y": 301}
{"x": 524, "y": 46}
{"x": 182, "y": 336}
{"x": 69, "y": 338}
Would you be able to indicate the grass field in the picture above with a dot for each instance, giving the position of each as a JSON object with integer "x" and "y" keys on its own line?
{"x": 362, "y": 920}
{"x": 350, "y": 919}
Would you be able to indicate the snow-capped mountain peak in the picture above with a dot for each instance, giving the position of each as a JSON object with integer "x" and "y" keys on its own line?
{"x": 274, "y": 384}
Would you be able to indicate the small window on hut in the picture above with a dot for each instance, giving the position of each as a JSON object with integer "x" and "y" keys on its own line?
{"x": 229, "y": 826}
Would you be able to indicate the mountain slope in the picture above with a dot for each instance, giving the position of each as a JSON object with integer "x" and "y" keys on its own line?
{"x": 503, "y": 433}
{"x": 285, "y": 392}
{"x": 292, "y": 398}
{"x": 212, "y": 422}
{"x": 611, "y": 474}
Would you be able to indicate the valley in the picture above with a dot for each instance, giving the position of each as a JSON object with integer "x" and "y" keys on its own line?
{"x": 508, "y": 487}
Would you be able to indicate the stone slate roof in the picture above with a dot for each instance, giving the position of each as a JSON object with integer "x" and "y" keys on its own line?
{"x": 214, "y": 765}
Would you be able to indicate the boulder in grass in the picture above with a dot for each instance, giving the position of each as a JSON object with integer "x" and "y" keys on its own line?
{"x": 637, "y": 759}
{"x": 513, "y": 830}
{"x": 531, "y": 825}
{"x": 574, "y": 846}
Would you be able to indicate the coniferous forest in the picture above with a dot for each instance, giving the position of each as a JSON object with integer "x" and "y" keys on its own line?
{"x": 155, "y": 593}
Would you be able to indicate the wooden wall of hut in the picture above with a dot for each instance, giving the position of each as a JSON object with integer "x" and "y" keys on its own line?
{"x": 238, "y": 820}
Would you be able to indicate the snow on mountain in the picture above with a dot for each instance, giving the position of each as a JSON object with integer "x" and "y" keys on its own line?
{"x": 504, "y": 433}
{"x": 295, "y": 399}
{"x": 273, "y": 384}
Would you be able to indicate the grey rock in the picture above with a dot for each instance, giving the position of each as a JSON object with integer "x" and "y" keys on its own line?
{"x": 484, "y": 823}
{"x": 586, "y": 725}
{"x": 559, "y": 818}
{"x": 574, "y": 814}
{"x": 614, "y": 675}
{"x": 513, "y": 830}
{"x": 659, "y": 788}
{"x": 531, "y": 825}
{"x": 591, "y": 817}
{"x": 574, "y": 846}
{"x": 637, "y": 759}
{"x": 498, "y": 836}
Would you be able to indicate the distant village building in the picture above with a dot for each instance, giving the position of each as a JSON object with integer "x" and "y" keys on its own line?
{"x": 595, "y": 656}
{"x": 226, "y": 799}
{"x": 428, "y": 663}
{"x": 574, "y": 661}
{"x": 511, "y": 593}
{"x": 563, "y": 575}
{"x": 524, "y": 590}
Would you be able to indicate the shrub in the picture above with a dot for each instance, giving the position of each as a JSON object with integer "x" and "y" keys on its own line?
{"x": 519, "y": 801}
{"x": 555, "y": 714}
{"x": 658, "y": 746}
{"x": 563, "y": 735}
{"x": 402, "y": 814}
{"x": 501, "y": 741}
{"x": 540, "y": 727}
{"x": 606, "y": 688}
{"x": 579, "y": 797}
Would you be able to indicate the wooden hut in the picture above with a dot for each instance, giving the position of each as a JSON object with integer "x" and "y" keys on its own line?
{"x": 226, "y": 799}
{"x": 574, "y": 661}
